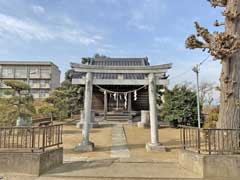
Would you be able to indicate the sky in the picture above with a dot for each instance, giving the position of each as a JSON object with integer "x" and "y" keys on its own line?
{"x": 64, "y": 31}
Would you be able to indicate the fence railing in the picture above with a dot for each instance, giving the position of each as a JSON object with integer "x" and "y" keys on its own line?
{"x": 210, "y": 141}
{"x": 32, "y": 139}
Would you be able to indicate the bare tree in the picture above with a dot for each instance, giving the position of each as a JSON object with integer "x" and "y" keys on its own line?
{"x": 225, "y": 47}
{"x": 206, "y": 92}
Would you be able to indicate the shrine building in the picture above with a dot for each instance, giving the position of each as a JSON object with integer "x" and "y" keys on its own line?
{"x": 119, "y": 88}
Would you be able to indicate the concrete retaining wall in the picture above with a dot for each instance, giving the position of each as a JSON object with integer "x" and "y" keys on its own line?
{"x": 211, "y": 166}
{"x": 30, "y": 163}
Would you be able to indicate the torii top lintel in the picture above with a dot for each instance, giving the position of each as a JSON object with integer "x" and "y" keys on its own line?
{"x": 121, "y": 69}
{"x": 120, "y": 75}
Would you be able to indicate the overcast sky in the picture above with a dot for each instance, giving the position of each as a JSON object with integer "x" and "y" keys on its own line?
{"x": 63, "y": 31}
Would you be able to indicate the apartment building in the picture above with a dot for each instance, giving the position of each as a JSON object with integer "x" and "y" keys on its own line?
{"x": 42, "y": 77}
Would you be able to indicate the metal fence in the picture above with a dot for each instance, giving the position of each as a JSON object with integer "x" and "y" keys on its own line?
{"x": 210, "y": 141}
{"x": 33, "y": 139}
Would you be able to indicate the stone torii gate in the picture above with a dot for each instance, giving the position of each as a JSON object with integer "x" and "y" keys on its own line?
{"x": 154, "y": 78}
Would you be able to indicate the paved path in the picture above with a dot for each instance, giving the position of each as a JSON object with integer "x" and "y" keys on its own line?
{"x": 112, "y": 168}
{"x": 119, "y": 143}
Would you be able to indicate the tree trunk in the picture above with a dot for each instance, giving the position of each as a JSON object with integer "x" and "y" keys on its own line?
{"x": 229, "y": 115}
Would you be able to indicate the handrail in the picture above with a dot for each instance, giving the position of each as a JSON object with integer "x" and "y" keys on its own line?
{"x": 31, "y": 138}
{"x": 210, "y": 140}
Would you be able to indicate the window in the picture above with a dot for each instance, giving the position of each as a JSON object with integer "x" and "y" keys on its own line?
{"x": 43, "y": 94}
{"x": 45, "y": 84}
{"x": 8, "y": 72}
{"x": 21, "y": 72}
{"x": 45, "y": 72}
{"x": 34, "y": 83}
{"x": 35, "y": 93}
{"x": 34, "y": 72}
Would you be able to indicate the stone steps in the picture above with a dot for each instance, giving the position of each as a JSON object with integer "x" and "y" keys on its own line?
{"x": 118, "y": 118}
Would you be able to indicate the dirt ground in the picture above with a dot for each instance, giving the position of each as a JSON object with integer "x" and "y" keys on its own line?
{"x": 102, "y": 138}
{"x": 138, "y": 137}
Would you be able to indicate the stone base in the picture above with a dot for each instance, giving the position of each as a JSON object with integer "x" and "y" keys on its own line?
{"x": 155, "y": 147}
{"x": 211, "y": 166}
{"x": 85, "y": 147}
{"x": 92, "y": 125}
{"x": 30, "y": 163}
{"x": 143, "y": 125}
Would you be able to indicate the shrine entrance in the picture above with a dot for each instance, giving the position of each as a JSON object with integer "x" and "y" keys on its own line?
{"x": 120, "y": 84}
{"x": 116, "y": 104}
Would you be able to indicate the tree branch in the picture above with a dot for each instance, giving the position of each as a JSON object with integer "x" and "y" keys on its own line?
{"x": 230, "y": 14}
{"x": 217, "y": 23}
{"x": 221, "y": 45}
{"x": 192, "y": 42}
{"x": 203, "y": 32}
{"x": 220, "y": 3}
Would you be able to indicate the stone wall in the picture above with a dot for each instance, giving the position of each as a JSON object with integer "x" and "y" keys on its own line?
{"x": 30, "y": 163}
{"x": 211, "y": 166}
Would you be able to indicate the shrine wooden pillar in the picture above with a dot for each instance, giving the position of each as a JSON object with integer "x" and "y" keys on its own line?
{"x": 129, "y": 102}
{"x": 105, "y": 105}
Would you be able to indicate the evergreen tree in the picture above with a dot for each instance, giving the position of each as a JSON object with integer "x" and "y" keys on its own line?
{"x": 180, "y": 105}
{"x": 18, "y": 105}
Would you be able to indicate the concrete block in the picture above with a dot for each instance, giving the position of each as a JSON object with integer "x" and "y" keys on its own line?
{"x": 211, "y": 166}
{"x": 155, "y": 147}
{"x": 85, "y": 147}
{"x": 30, "y": 163}
{"x": 191, "y": 161}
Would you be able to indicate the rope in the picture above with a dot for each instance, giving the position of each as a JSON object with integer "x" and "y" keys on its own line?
{"x": 118, "y": 92}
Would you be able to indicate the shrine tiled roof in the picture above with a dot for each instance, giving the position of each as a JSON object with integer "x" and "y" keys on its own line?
{"x": 116, "y": 62}
{"x": 119, "y": 61}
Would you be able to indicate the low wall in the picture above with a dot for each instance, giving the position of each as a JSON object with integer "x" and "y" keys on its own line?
{"x": 30, "y": 163}
{"x": 211, "y": 166}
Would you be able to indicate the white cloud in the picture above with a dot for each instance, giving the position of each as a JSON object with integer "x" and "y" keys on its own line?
{"x": 137, "y": 21}
{"x": 37, "y": 9}
{"x": 13, "y": 27}
{"x": 146, "y": 14}
{"x": 163, "y": 41}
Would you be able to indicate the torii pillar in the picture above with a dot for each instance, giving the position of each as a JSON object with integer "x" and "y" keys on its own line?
{"x": 86, "y": 145}
{"x": 154, "y": 145}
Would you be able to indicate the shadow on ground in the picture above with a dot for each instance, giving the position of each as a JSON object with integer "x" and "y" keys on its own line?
{"x": 79, "y": 131}
{"x": 80, "y": 165}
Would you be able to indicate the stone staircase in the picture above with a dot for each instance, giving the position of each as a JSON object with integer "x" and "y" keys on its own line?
{"x": 118, "y": 116}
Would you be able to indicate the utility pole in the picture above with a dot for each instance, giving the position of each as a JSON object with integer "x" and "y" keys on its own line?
{"x": 196, "y": 69}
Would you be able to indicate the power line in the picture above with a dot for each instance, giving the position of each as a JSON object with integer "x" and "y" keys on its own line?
{"x": 190, "y": 68}
{"x": 203, "y": 61}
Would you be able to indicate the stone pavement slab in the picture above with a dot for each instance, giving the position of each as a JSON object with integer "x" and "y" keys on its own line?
{"x": 119, "y": 143}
